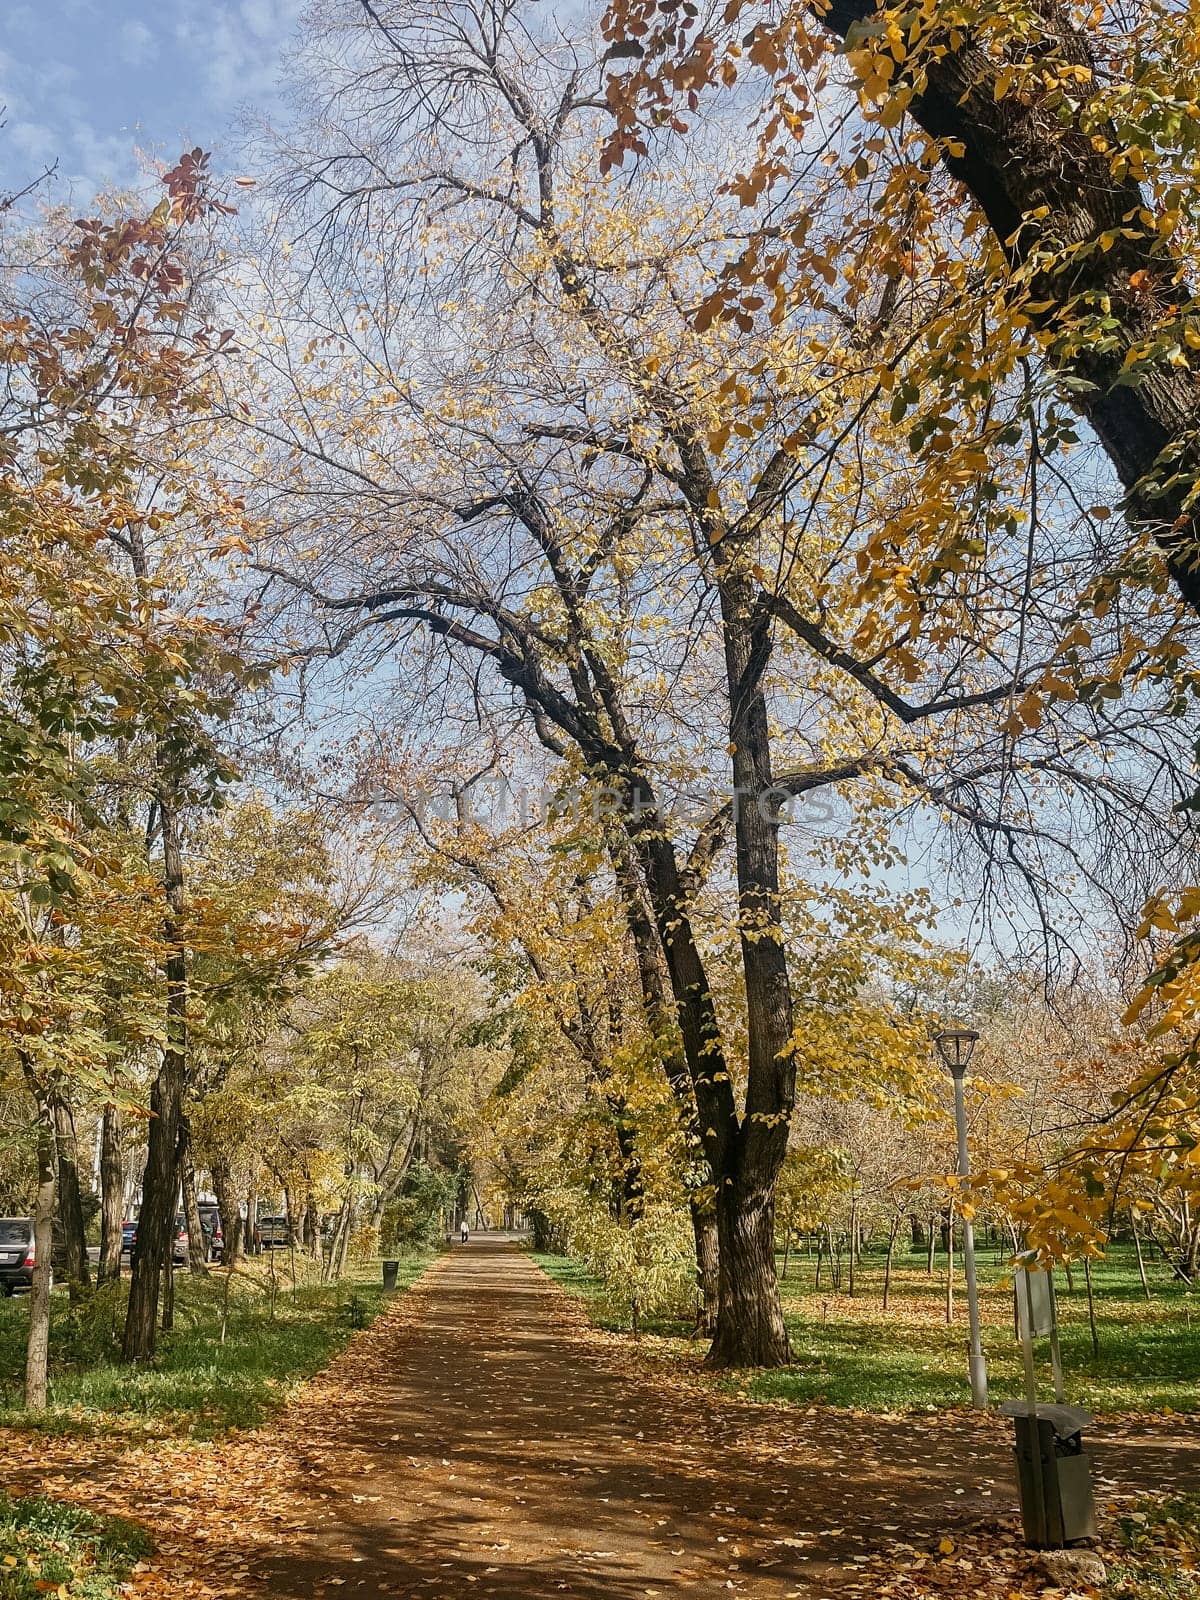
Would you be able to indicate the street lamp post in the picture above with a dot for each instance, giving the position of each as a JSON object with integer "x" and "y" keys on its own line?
{"x": 955, "y": 1046}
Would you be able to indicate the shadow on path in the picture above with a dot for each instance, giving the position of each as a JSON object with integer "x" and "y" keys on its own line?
{"x": 490, "y": 1451}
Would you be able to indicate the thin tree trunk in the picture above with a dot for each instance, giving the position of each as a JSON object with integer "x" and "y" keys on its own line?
{"x": 887, "y": 1268}
{"x": 337, "y": 1244}
{"x": 251, "y": 1241}
{"x": 932, "y": 1243}
{"x": 312, "y": 1228}
{"x": 112, "y": 1194}
{"x": 950, "y": 1265}
{"x": 1141, "y": 1260}
{"x": 37, "y": 1353}
{"x": 344, "y": 1242}
{"x": 1087, "y": 1278}
{"x": 853, "y": 1242}
{"x": 70, "y": 1202}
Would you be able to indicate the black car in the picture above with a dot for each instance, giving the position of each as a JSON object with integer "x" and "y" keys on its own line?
{"x": 214, "y": 1233}
{"x": 16, "y": 1253}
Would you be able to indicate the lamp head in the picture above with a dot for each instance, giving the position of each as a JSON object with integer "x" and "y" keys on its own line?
{"x": 956, "y": 1046}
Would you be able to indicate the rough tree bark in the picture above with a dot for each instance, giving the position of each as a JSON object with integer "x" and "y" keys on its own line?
{"x": 197, "y": 1249}
{"x": 227, "y": 1205}
{"x": 1019, "y": 156}
{"x": 652, "y": 977}
{"x": 70, "y": 1200}
{"x": 112, "y": 1194}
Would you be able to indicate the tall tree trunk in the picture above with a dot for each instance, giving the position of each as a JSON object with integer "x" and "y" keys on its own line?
{"x": 37, "y": 1353}
{"x": 112, "y": 1194}
{"x": 1091, "y": 1300}
{"x": 160, "y": 1184}
{"x": 654, "y": 982}
{"x": 227, "y": 1205}
{"x": 197, "y": 1246}
{"x": 70, "y": 1201}
{"x": 750, "y": 1327}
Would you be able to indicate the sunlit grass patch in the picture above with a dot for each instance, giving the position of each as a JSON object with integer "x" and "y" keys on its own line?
{"x": 200, "y": 1384}
{"x": 849, "y": 1352}
{"x": 47, "y": 1547}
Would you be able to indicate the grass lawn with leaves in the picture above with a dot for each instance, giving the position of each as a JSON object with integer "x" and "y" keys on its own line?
{"x": 200, "y": 1385}
{"x": 47, "y": 1548}
{"x": 1158, "y": 1553}
{"x": 849, "y": 1352}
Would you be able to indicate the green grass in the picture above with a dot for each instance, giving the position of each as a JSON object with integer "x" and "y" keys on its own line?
{"x": 44, "y": 1544}
{"x": 1160, "y": 1552}
{"x": 850, "y": 1353}
{"x": 197, "y": 1386}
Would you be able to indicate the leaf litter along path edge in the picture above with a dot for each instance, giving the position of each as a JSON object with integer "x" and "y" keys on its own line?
{"x": 482, "y": 1439}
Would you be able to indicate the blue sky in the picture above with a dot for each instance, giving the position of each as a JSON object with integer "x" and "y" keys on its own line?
{"x": 99, "y": 85}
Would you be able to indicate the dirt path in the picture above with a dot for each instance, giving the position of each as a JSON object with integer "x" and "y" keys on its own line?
{"x": 489, "y": 1444}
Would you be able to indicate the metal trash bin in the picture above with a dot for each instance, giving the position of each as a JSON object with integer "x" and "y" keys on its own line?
{"x": 1054, "y": 1474}
{"x": 391, "y": 1270}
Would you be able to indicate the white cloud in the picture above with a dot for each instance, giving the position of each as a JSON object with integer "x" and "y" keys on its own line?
{"x": 237, "y": 45}
{"x": 137, "y": 44}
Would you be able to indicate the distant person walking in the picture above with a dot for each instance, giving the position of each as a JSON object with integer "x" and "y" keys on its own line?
{"x": 466, "y": 1232}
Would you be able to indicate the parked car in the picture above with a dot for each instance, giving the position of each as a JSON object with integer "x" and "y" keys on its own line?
{"x": 274, "y": 1231}
{"x": 179, "y": 1248}
{"x": 16, "y": 1253}
{"x": 214, "y": 1233}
